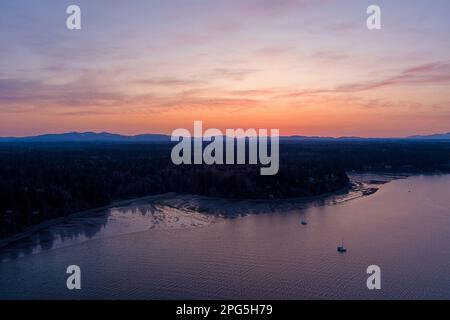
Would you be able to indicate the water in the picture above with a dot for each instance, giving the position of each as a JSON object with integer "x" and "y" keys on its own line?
{"x": 404, "y": 228}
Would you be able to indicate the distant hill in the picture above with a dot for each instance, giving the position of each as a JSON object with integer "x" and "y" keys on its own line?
{"x": 317, "y": 138}
{"x": 89, "y": 137}
{"x": 112, "y": 137}
{"x": 441, "y": 136}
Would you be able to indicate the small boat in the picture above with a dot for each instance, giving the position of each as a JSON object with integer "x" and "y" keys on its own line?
{"x": 304, "y": 223}
{"x": 341, "y": 248}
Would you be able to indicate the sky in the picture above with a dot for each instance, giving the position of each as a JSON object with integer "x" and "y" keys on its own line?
{"x": 306, "y": 67}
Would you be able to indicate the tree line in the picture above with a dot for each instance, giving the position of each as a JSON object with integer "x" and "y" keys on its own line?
{"x": 43, "y": 181}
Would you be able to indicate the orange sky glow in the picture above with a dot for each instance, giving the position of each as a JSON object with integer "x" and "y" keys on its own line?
{"x": 312, "y": 68}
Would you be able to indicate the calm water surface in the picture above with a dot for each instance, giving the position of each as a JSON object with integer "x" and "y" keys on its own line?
{"x": 404, "y": 228}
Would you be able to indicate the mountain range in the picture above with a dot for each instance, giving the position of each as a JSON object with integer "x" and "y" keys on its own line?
{"x": 88, "y": 137}
{"x": 112, "y": 137}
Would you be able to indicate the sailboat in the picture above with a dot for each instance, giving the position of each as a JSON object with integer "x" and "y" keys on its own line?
{"x": 341, "y": 248}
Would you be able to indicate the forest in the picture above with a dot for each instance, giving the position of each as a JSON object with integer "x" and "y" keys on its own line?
{"x": 41, "y": 181}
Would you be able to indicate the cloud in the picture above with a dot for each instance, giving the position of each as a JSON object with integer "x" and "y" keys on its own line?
{"x": 235, "y": 74}
{"x": 340, "y": 27}
{"x": 89, "y": 95}
{"x": 328, "y": 56}
{"x": 278, "y": 7}
{"x": 18, "y": 95}
{"x": 169, "y": 82}
{"x": 96, "y": 91}
{"x": 255, "y": 92}
{"x": 275, "y": 52}
{"x": 424, "y": 74}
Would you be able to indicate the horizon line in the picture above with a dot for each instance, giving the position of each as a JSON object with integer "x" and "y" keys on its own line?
{"x": 169, "y": 135}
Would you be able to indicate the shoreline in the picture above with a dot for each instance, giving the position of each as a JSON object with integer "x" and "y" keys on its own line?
{"x": 364, "y": 188}
{"x": 55, "y": 221}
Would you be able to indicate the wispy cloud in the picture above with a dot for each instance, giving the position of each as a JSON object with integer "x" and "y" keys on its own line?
{"x": 328, "y": 56}
{"x": 424, "y": 74}
{"x": 169, "y": 82}
{"x": 278, "y": 7}
{"x": 235, "y": 74}
{"x": 17, "y": 94}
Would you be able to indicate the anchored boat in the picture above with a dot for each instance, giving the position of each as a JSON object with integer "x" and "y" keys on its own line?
{"x": 341, "y": 248}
